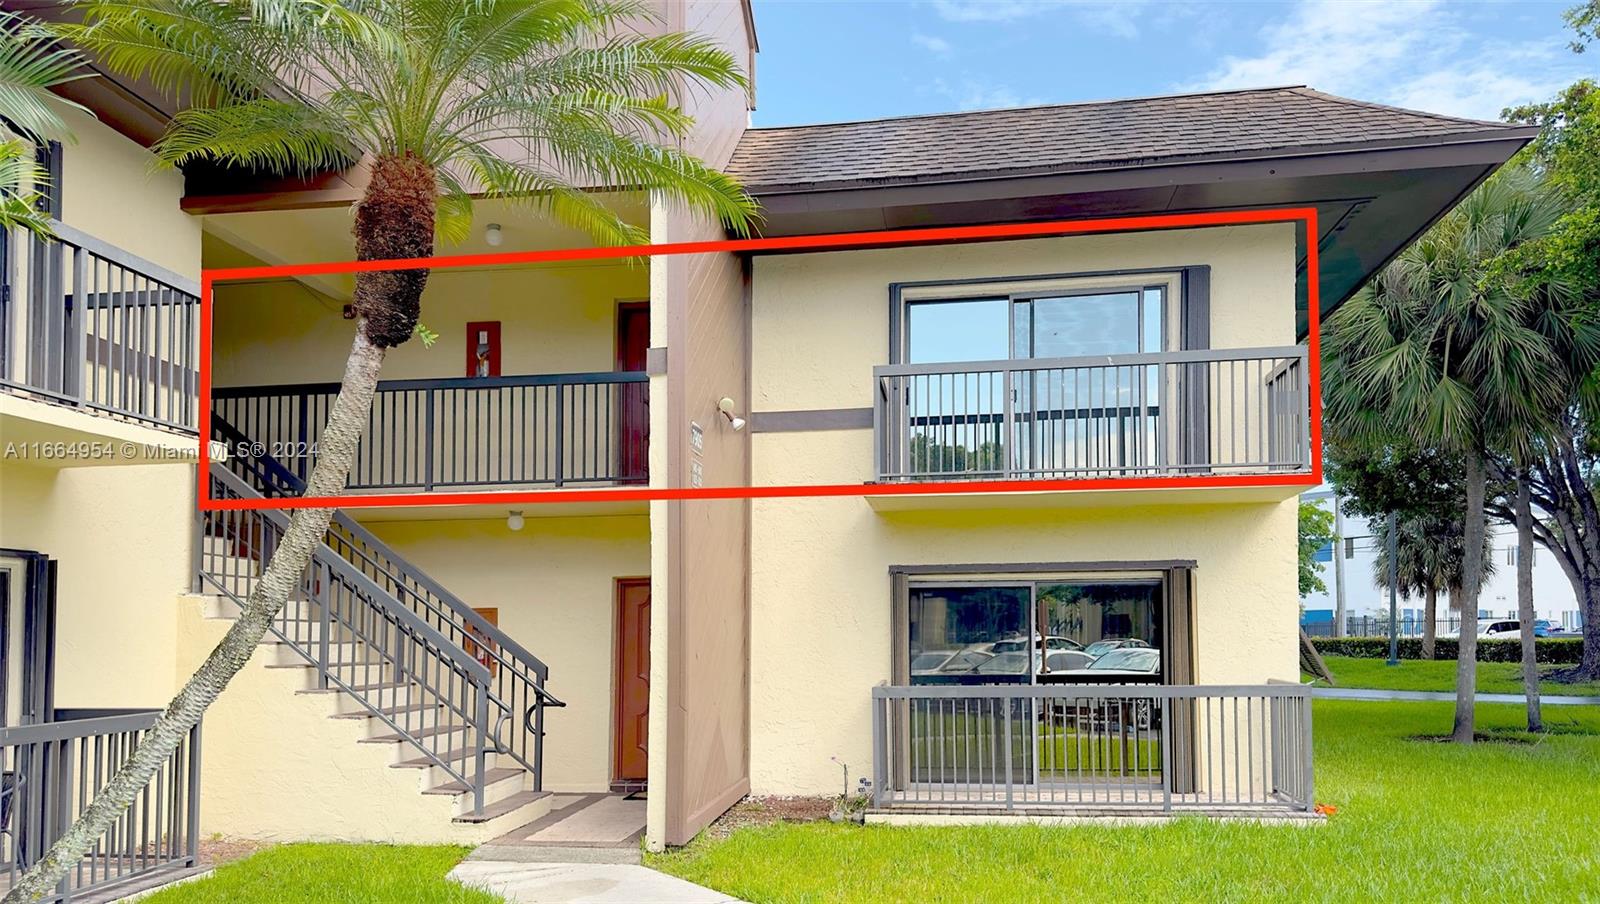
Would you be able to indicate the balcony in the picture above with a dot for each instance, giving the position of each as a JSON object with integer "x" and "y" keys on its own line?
{"x": 535, "y": 430}
{"x": 1184, "y": 414}
{"x": 108, "y": 340}
{"x": 1056, "y": 750}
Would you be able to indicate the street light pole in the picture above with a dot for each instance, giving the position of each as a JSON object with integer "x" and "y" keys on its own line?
{"x": 1394, "y": 590}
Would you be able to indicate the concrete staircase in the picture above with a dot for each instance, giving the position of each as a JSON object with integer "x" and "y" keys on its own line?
{"x": 300, "y": 760}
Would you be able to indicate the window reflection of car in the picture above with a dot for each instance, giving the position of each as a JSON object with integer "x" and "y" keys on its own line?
{"x": 951, "y": 662}
{"x": 1016, "y": 663}
{"x": 1052, "y": 642}
{"x": 1145, "y": 661}
{"x": 1101, "y": 647}
{"x": 928, "y": 662}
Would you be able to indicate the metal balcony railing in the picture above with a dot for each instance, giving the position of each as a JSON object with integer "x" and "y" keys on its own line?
{"x": 1092, "y": 747}
{"x": 1222, "y": 411}
{"x": 85, "y": 323}
{"x": 538, "y": 429}
{"x": 51, "y": 771}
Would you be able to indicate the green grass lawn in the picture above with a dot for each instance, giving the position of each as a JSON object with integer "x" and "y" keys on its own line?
{"x": 319, "y": 873}
{"x": 1440, "y": 675}
{"x": 1514, "y": 819}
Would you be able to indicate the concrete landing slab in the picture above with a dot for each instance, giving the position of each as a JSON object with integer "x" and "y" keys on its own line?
{"x": 582, "y": 883}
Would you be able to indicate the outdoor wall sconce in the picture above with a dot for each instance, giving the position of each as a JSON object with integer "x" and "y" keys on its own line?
{"x": 514, "y": 520}
{"x": 725, "y": 405}
{"x": 493, "y": 235}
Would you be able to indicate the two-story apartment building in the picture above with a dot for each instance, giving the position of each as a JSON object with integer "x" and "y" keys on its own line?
{"x": 1121, "y": 640}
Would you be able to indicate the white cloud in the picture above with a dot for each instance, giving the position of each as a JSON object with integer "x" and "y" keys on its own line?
{"x": 1114, "y": 17}
{"x": 931, "y": 43}
{"x": 1410, "y": 53}
{"x": 979, "y": 94}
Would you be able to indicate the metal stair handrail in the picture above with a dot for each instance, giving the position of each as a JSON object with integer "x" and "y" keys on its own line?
{"x": 427, "y": 689}
{"x": 518, "y": 677}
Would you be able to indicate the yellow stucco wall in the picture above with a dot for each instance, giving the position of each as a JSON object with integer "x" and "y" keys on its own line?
{"x": 553, "y": 582}
{"x": 121, "y": 536}
{"x": 111, "y": 191}
{"x": 821, "y": 592}
{"x": 556, "y": 319}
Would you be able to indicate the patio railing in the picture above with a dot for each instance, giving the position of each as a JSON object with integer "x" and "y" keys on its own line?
{"x": 51, "y": 771}
{"x": 1092, "y": 748}
{"x": 536, "y": 429}
{"x": 85, "y": 323}
{"x": 1154, "y": 414}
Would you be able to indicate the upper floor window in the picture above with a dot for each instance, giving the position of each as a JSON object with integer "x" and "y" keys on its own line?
{"x": 1055, "y": 318}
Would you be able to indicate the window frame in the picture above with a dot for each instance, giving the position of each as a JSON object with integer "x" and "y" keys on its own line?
{"x": 1185, "y": 300}
{"x": 1174, "y": 638}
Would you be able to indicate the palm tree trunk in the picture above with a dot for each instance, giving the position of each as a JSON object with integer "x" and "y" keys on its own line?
{"x": 394, "y": 220}
{"x": 1430, "y": 615}
{"x": 1525, "y": 614}
{"x": 1472, "y": 575}
{"x": 307, "y": 527}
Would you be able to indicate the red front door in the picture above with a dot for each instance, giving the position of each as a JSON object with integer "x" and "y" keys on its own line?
{"x": 633, "y": 408}
{"x": 632, "y": 705}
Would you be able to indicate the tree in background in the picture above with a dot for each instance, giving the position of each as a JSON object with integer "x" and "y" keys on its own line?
{"x": 31, "y": 63}
{"x": 1421, "y": 487}
{"x": 1430, "y": 551}
{"x": 1437, "y": 353}
{"x": 1564, "y": 514}
{"x": 1316, "y": 531}
{"x": 431, "y": 93}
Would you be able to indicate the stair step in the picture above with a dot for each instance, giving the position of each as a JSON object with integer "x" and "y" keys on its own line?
{"x": 387, "y": 711}
{"x": 423, "y": 762}
{"x": 416, "y": 733}
{"x": 502, "y": 807}
{"x": 490, "y": 777}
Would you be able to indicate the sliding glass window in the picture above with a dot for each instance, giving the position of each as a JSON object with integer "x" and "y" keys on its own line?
{"x": 1058, "y": 407}
{"x": 1101, "y": 630}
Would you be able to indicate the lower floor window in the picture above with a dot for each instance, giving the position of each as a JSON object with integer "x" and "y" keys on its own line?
{"x": 1091, "y": 629}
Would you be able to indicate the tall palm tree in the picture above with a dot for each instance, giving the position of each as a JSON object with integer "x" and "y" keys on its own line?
{"x": 31, "y": 63}
{"x": 432, "y": 94}
{"x": 1441, "y": 351}
{"x": 1431, "y": 553}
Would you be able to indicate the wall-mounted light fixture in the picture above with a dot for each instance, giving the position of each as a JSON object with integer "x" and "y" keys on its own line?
{"x": 514, "y": 520}
{"x": 493, "y": 235}
{"x": 726, "y": 406}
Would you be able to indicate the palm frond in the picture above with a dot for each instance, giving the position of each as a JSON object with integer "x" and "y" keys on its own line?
{"x": 31, "y": 63}
{"x": 20, "y": 179}
{"x": 264, "y": 134}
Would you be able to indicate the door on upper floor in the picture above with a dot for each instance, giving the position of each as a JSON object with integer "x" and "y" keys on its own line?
{"x": 633, "y": 410}
{"x": 631, "y": 708}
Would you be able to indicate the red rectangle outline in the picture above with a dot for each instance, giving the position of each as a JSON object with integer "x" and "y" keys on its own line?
{"x": 834, "y": 241}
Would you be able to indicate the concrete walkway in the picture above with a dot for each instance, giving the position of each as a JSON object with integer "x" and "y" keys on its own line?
{"x": 547, "y": 883}
{"x": 1365, "y": 693}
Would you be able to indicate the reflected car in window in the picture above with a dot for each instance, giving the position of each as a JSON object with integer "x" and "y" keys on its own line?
{"x": 1052, "y": 642}
{"x": 1101, "y": 647}
{"x": 1012, "y": 663}
{"x": 1144, "y": 662}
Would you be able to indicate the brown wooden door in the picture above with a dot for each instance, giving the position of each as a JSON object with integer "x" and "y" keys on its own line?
{"x": 632, "y": 706}
{"x": 633, "y": 408}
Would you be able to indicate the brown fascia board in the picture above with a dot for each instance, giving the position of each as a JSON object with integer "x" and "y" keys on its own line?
{"x": 1140, "y": 172}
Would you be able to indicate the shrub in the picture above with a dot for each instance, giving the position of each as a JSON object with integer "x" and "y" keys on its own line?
{"x": 1548, "y": 650}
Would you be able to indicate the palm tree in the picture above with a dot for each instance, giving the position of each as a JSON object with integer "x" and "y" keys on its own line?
{"x": 1441, "y": 352}
{"x": 31, "y": 63}
{"x": 431, "y": 93}
{"x": 1431, "y": 553}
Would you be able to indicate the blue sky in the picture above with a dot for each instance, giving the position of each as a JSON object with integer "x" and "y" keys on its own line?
{"x": 829, "y": 60}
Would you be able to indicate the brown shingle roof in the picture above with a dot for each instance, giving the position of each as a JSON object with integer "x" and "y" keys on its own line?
{"x": 1065, "y": 137}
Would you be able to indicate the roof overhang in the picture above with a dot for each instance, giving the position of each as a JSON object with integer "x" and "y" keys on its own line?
{"x": 1372, "y": 201}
